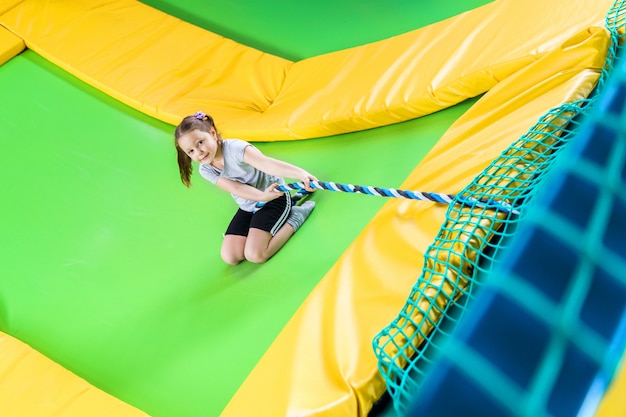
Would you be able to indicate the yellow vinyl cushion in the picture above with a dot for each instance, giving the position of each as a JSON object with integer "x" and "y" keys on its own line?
{"x": 168, "y": 68}
{"x": 33, "y": 385}
{"x": 10, "y": 45}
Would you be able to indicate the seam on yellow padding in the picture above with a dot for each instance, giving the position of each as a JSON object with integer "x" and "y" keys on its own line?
{"x": 10, "y": 45}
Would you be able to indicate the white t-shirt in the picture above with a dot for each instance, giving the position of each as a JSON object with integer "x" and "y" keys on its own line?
{"x": 237, "y": 170}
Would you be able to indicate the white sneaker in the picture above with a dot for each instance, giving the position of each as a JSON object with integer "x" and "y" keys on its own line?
{"x": 299, "y": 214}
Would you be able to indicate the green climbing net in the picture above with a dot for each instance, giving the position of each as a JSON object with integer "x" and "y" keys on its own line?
{"x": 472, "y": 238}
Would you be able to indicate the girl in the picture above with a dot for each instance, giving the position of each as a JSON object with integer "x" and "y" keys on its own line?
{"x": 241, "y": 169}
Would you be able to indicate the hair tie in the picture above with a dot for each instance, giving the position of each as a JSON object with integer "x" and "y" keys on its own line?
{"x": 200, "y": 115}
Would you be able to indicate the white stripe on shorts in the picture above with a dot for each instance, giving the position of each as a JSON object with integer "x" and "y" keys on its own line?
{"x": 283, "y": 217}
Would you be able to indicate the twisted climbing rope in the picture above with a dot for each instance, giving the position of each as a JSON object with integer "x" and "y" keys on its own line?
{"x": 395, "y": 193}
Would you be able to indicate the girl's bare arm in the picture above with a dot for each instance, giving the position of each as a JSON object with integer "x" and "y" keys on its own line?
{"x": 247, "y": 191}
{"x": 276, "y": 167}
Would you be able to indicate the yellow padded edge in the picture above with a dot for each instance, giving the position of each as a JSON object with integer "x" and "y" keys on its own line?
{"x": 612, "y": 404}
{"x": 33, "y": 385}
{"x": 10, "y": 45}
{"x": 147, "y": 59}
{"x": 322, "y": 364}
{"x": 168, "y": 69}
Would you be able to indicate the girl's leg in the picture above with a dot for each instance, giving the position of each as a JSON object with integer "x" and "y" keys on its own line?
{"x": 234, "y": 243}
{"x": 261, "y": 245}
{"x": 268, "y": 231}
{"x": 233, "y": 247}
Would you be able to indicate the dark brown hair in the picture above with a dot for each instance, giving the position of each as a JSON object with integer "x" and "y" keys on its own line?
{"x": 199, "y": 121}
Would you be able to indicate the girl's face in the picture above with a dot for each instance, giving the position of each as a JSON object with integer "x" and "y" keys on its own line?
{"x": 200, "y": 146}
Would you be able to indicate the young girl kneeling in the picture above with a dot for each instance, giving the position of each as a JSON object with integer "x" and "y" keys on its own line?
{"x": 250, "y": 176}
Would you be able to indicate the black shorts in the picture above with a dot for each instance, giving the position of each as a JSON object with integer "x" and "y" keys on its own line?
{"x": 271, "y": 217}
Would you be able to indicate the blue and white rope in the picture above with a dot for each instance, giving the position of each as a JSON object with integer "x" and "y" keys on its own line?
{"x": 394, "y": 193}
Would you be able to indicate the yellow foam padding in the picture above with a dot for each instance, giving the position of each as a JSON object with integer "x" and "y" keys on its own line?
{"x": 10, "y": 45}
{"x": 153, "y": 62}
{"x": 322, "y": 363}
{"x": 6, "y": 5}
{"x": 168, "y": 68}
{"x": 613, "y": 404}
{"x": 33, "y": 385}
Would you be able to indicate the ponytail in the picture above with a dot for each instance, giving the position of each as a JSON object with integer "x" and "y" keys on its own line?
{"x": 185, "y": 168}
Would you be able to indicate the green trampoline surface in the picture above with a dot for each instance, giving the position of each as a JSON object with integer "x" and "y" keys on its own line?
{"x": 111, "y": 267}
